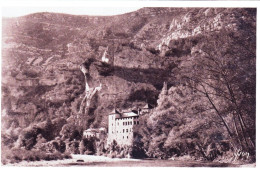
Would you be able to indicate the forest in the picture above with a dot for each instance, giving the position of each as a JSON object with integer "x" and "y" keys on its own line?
{"x": 210, "y": 113}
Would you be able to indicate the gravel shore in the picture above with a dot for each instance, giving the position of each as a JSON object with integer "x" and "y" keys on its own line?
{"x": 75, "y": 159}
{"x": 102, "y": 161}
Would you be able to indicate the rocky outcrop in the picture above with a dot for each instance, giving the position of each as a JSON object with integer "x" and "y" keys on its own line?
{"x": 44, "y": 51}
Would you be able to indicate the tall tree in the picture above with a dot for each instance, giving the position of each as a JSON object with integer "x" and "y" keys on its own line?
{"x": 222, "y": 68}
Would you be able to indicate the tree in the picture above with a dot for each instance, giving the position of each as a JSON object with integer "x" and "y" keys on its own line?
{"x": 181, "y": 124}
{"x": 223, "y": 71}
{"x": 81, "y": 147}
{"x": 138, "y": 147}
{"x": 75, "y": 147}
{"x": 48, "y": 129}
{"x": 70, "y": 131}
{"x": 40, "y": 142}
{"x": 90, "y": 145}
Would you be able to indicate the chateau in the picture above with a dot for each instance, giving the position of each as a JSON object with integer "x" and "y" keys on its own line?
{"x": 122, "y": 125}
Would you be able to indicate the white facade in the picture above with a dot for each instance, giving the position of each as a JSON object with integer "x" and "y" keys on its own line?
{"x": 89, "y": 133}
{"x": 93, "y": 133}
{"x": 121, "y": 127}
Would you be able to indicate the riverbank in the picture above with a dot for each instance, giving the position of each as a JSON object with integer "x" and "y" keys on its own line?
{"x": 101, "y": 161}
{"x": 76, "y": 159}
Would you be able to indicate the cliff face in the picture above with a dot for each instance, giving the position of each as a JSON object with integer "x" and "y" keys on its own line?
{"x": 42, "y": 54}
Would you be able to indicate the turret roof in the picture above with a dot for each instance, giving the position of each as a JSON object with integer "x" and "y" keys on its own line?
{"x": 129, "y": 114}
{"x": 148, "y": 106}
{"x": 114, "y": 111}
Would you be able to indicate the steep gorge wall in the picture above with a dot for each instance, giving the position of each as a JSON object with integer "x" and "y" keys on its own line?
{"x": 143, "y": 47}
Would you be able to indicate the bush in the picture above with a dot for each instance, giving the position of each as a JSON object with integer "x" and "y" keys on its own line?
{"x": 18, "y": 155}
{"x": 153, "y": 51}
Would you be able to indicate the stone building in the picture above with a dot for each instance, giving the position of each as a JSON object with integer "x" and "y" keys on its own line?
{"x": 122, "y": 125}
{"x": 146, "y": 109}
{"x": 90, "y": 133}
{"x": 94, "y": 133}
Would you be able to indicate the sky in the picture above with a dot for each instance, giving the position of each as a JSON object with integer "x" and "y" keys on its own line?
{"x": 16, "y": 8}
{"x": 97, "y": 11}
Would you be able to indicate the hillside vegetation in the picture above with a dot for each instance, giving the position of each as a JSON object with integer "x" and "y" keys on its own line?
{"x": 206, "y": 56}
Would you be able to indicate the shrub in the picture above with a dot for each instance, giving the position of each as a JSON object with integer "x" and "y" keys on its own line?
{"x": 19, "y": 154}
{"x": 153, "y": 51}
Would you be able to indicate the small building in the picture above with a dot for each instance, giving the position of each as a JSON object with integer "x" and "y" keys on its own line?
{"x": 94, "y": 133}
{"x": 146, "y": 109}
{"x": 89, "y": 133}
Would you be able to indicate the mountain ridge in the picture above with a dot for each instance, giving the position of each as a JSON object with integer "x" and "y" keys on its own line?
{"x": 42, "y": 54}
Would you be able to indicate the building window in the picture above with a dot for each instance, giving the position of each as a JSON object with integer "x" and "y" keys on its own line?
{"x": 126, "y": 130}
{"x": 130, "y": 123}
{"x": 123, "y": 130}
{"x": 112, "y": 124}
{"x": 117, "y": 123}
{"x": 137, "y": 122}
{"x": 127, "y": 137}
{"x": 123, "y": 137}
{"x": 134, "y": 122}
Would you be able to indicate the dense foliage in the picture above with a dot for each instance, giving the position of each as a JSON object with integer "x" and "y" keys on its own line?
{"x": 210, "y": 112}
{"x": 207, "y": 56}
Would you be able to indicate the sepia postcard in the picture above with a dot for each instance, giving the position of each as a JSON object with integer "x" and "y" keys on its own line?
{"x": 128, "y": 85}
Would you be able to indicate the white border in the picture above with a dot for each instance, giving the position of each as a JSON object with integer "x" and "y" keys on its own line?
{"x": 99, "y": 3}
{"x": 127, "y": 3}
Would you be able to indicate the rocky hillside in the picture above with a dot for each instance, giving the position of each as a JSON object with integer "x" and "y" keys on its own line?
{"x": 42, "y": 54}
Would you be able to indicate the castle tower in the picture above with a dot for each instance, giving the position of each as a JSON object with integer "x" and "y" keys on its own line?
{"x": 112, "y": 125}
{"x": 121, "y": 127}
